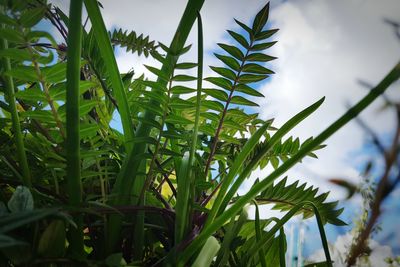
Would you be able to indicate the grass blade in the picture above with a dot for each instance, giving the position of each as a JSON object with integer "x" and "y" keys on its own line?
{"x": 107, "y": 54}
{"x": 207, "y": 253}
{"x": 124, "y": 183}
{"x": 72, "y": 110}
{"x": 392, "y": 76}
{"x": 10, "y": 93}
{"x": 275, "y": 138}
{"x": 261, "y": 254}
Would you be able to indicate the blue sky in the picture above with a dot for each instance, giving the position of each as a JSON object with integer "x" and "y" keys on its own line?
{"x": 324, "y": 47}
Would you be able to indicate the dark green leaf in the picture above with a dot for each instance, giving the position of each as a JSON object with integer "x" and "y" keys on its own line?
{"x": 214, "y": 105}
{"x": 259, "y": 57}
{"x": 243, "y": 101}
{"x": 183, "y": 78}
{"x": 239, "y": 38}
{"x": 243, "y": 88}
{"x": 218, "y": 94}
{"x": 251, "y": 78}
{"x": 12, "y": 35}
{"x": 182, "y": 90}
{"x": 31, "y": 17}
{"x": 261, "y": 19}
{"x": 16, "y": 54}
{"x": 245, "y": 27}
{"x": 221, "y": 82}
{"x": 232, "y": 50}
{"x": 262, "y": 46}
{"x": 265, "y": 34}
{"x": 23, "y": 73}
{"x": 227, "y": 73}
{"x": 229, "y": 61}
{"x": 255, "y": 68}
{"x": 186, "y": 65}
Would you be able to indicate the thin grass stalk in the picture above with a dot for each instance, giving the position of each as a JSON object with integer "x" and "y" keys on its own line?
{"x": 185, "y": 177}
{"x": 10, "y": 97}
{"x": 289, "y": 125}
{"x": 72, "y": 112}
{"x": 124, "y": 183}
{"x": 391, "y": 77}
{"x": 282, "y": 250}
{"x": 258, "y": 229}
{"x": 107, "y": 53}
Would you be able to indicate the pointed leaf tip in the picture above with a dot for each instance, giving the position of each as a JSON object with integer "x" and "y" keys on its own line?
{"x": 261, "y": 19}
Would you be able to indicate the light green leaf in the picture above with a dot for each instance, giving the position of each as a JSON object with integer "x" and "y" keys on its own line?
{"x": 21, "y": 200}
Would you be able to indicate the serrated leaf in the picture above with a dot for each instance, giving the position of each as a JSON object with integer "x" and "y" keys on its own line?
{"x": 233, "y": 51}
{"x": 286, "y": 197}
{"x": 243, "y": 101}
{"x": 229, "y": 61}
{"x": 255, "y": 68}
{"x": 227, "y": 73}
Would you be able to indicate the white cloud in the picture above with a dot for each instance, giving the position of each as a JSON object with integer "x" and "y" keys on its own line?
{"x": 323, "y": 48}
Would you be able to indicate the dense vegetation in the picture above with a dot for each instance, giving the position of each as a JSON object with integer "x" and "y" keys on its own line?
{"x": 75, "y": 191}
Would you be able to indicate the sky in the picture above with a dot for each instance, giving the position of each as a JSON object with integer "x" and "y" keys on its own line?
{"x": 324, "y": 49}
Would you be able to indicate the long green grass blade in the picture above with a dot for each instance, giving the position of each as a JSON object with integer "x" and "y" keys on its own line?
{"x": 72, "y": 110}
{"x": 10, "y": 97}
{"x": 207, "y": 253}
{"x": 393, "y": 75}
{"x": 290, "y": 124}
{"x": 258, "y": 229}
{"x": 248, "y": 147}
{"x": 182, "y": 200}
{"x": 232, "y": 231}
{"x": 107, "y": 54}
{"x": 282, "y": 249}
{"x": 124, "y": 183}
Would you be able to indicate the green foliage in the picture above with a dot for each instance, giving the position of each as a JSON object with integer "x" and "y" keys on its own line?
{"x": 164, "y": 191}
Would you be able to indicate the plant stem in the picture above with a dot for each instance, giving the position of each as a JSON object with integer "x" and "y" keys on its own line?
{"x": 72, "y": 110}
{"x": 392, "y": 76}
{"x": 10, "y": 93}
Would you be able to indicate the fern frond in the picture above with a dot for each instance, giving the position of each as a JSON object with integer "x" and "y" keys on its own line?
{"x": 286, "y": 197}
{"x": 133, "y": 42}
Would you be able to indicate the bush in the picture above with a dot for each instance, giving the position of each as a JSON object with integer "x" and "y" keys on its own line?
{"x": 164, "y": 192}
